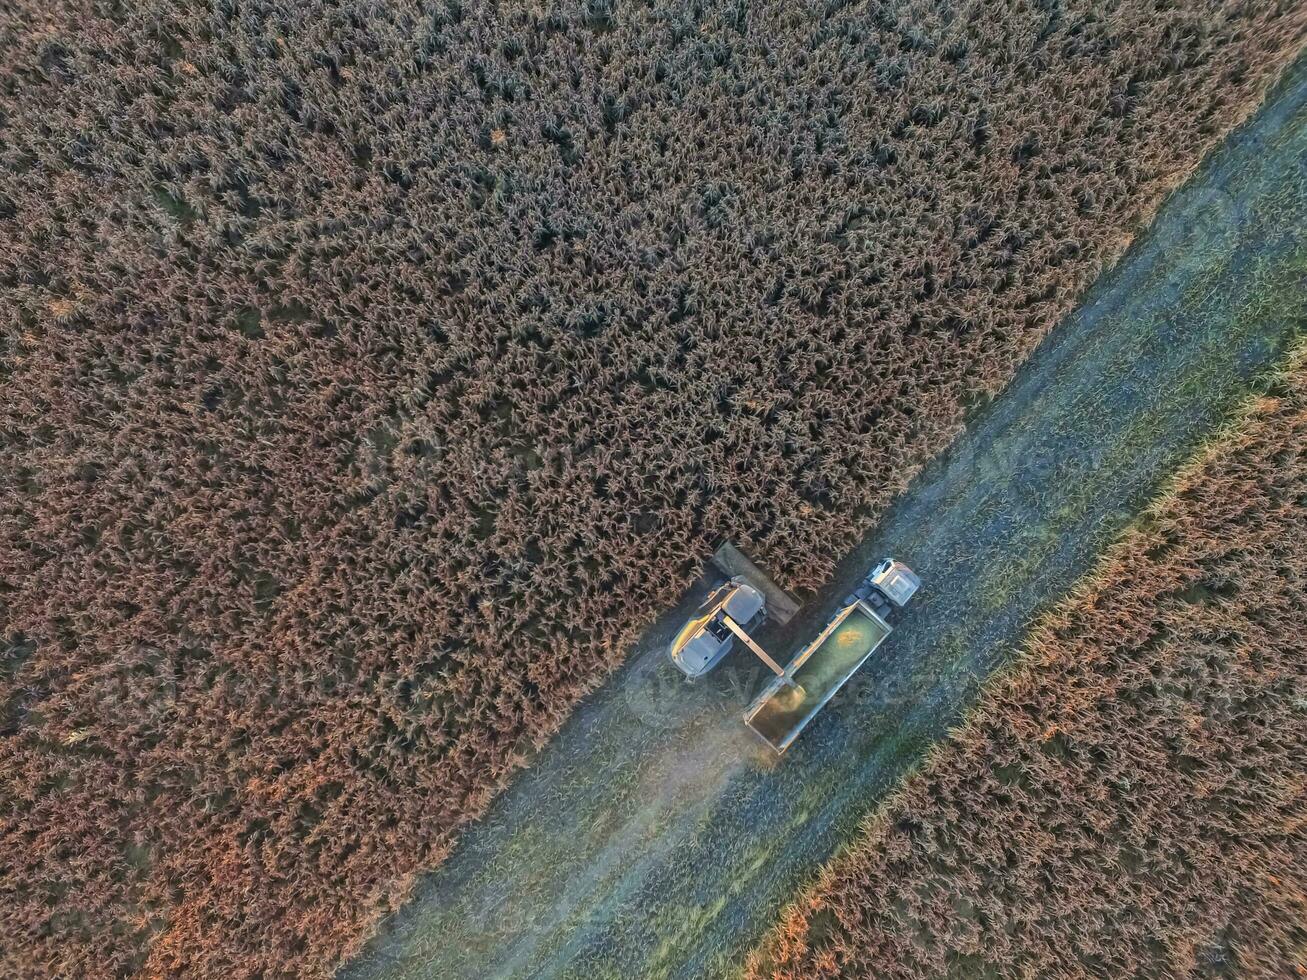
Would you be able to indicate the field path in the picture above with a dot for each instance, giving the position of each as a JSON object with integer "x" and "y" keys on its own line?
{"x": 656, "y": 837}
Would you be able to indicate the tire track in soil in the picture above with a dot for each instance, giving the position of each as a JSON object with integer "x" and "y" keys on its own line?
{"x": 656, "y": 837}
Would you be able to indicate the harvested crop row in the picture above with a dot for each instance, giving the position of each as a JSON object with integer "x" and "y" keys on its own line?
{"x": 372, "y": 372}
{"x": 1132, "y": 801}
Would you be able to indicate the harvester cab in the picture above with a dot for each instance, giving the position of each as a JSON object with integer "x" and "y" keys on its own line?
{"x": 709, "y": 635}
{"x": 817, "y": 672}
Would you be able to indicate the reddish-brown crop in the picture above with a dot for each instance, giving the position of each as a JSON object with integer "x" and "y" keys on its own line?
{"x": 372, "y": 372}
{"x": 1133, "y": 800}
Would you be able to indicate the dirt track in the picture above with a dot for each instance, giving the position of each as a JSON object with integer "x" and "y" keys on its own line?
{"x": 656, "y": 837}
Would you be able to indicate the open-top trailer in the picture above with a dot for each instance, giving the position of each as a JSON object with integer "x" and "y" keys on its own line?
{"x": 802, "y": 688}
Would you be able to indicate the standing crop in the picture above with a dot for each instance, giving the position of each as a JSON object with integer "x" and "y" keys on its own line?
{"x": 370, "y": 373}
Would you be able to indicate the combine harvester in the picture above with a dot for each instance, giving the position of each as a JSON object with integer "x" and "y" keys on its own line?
{"x": 800, "y": 690}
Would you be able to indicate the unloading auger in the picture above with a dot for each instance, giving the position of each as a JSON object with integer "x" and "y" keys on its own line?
{"x": 803, "y": 687}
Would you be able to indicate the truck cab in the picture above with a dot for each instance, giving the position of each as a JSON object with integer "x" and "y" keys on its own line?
{"x": 891, "y": 585}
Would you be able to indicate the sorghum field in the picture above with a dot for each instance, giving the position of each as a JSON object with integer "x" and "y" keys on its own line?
{"x": 371, "y": 374}
{"x": 1132, "y": 801}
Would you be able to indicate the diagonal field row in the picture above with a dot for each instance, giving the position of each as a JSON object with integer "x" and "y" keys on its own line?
{"x": 653, "y": 837}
